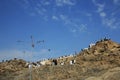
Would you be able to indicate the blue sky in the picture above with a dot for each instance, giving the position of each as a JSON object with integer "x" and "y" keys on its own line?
{"x": 65, "y": 25}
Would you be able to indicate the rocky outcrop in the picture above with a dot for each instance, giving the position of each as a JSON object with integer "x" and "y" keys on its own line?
{"x": 111, "y": 74}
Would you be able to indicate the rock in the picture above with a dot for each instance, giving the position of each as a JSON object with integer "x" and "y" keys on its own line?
{"x": 112, "y": 74}
{"x": 93, "y": 78}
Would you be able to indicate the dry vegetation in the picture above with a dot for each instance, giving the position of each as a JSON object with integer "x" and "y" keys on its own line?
{"x": 99, "y": 62}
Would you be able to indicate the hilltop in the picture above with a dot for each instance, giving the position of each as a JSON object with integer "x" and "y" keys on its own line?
{"x": 100, "y": 61}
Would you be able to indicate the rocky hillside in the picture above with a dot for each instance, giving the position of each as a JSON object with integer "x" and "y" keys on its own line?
{"x": 11, "y": 68}
{"x": 100, "y": 61}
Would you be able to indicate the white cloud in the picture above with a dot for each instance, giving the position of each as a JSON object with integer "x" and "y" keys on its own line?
{"x": 73, "y": 30}
{"x": 83, "y": 27}
{"x": 55, "y": 17}
{"x": 88, "y": 14}
{"x": 117, "y": 2}
{"x": 65, "y": 19}
{"x": 109, "y": 20}
{"x": 79, "y": 27}
{"x": 41, "y": 7}
{"x": 111, "y": 23}
{"x": 46, "y": 3}
{"x": 100, "y": 7}
{"x": 65, "y": 2}
{"x": 96, "y": 3}
{"x": 73, "y": 26}
{"x": 34, "y": 8}
{"x": 38, "y": 11}
{"x": 102, "y": 14}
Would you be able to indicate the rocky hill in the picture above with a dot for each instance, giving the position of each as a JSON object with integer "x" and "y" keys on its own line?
{"x": 100, "y": 61}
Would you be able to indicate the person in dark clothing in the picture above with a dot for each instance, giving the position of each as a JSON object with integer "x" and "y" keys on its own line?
{"x": 54, "y": 61}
